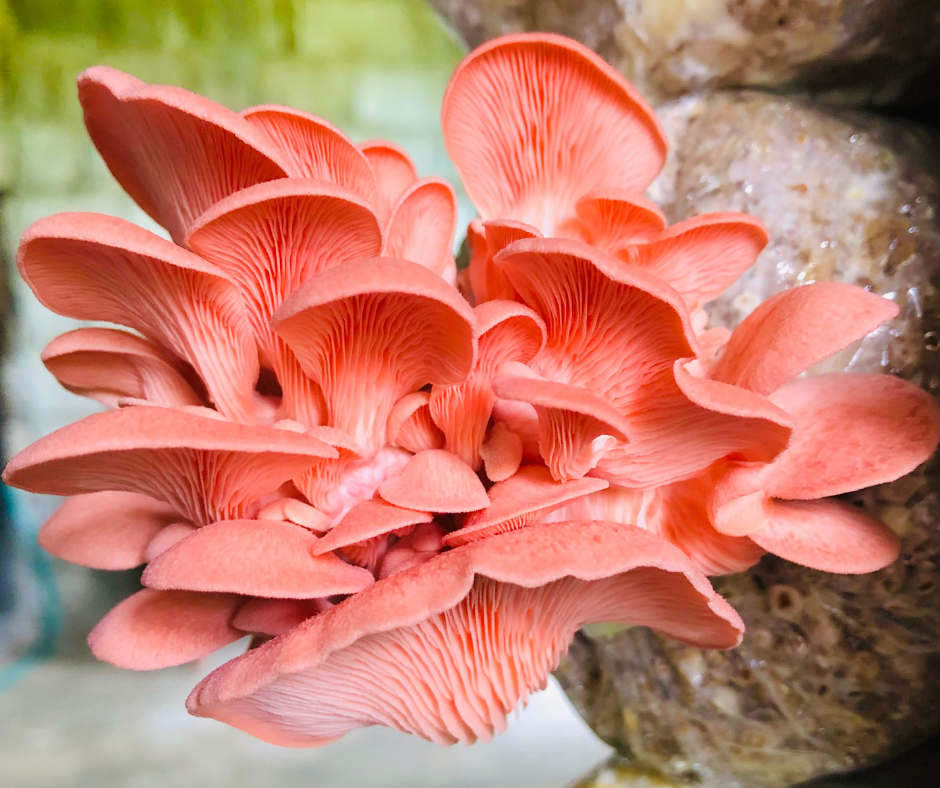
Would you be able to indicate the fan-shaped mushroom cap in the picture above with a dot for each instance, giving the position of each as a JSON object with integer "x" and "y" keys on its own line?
{"x": 314, "y": 148}
{"x": 108, "y": 365}
{"x": 422, "y": 225}
{"x": 94, "y": 267}
{"x": 367, "y": 520}
{"x": 613, "y": 219}
{"x": 502, "y": 452}
{"x": 571, "y": 419}
{"x": 399, "y": 654}
{"x": 410, "y": 426}
{"x": 206, "y": 469}
{"x": 262, "y": 558}
{"x": 852, "y": 431}
{"x": 174, "y": 152}
{"x": 609, "y": 328}
{"x": 272, "y": 238}
{"x": 523, "y": 498}
{"x": 372, "y": 331}
{"x": 700, "y": 257}
{"x": 158, "y": 629}
{"x": 105, "y": 530}
{"x": 595, "y": 131}
{"x": 393, "y": 169}
{"x": 507, "y": 332}
{"x": 435, "y": 481}
{"x": 828, "y": 535}
{"x": 795, "y": 329}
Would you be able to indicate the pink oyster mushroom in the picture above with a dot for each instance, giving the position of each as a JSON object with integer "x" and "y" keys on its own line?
{"x": 408, "y": 501}
{"x": 707, "y": 438}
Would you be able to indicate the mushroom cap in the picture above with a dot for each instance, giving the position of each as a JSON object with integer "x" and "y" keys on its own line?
{"x": 507, "y": 331}
{"x": 206, "y": 469}
{"x": 594, "y": 129}
{"x": 108, "y": 365}
{"x": 522, "y": 419}
{"x": 571, "y": 419}
{"x": 105, "y": 530}
{"x": 271, "y": 238}
{"x": 597, "y": 313}
{"x": 175, "y": 152}
{"x": 262, "y": 558}
{"x": 159, "y": 629}
{"x": 398, "y": 653}
{"x": 852, "y": 431}
{"x": 695, "y": 423}
{"x": 372, "y": 331}
{"x": 435, "y": 481}
{"x": 502, "y": 452}
{"x": 422, "y": 224}
{"x": 94, "y": 267}
{"x": 828, "y": 535}
{"x": 393, "y": 169}
{"x": 792, "y": 330}
{"x": 614, "y": 219}
{"x": 700, "y": 257}
{"x": 314, "y": 148}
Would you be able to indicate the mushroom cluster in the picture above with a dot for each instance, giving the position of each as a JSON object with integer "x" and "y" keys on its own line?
{"x": 409, "y": 486}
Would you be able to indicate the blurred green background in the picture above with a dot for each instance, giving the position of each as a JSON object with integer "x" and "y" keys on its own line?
{"x": 370, "y": 66}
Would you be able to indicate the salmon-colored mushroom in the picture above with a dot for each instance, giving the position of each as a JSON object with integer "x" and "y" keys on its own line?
{"x": 408, "y": 502}
{"x": 446, "y": 650}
